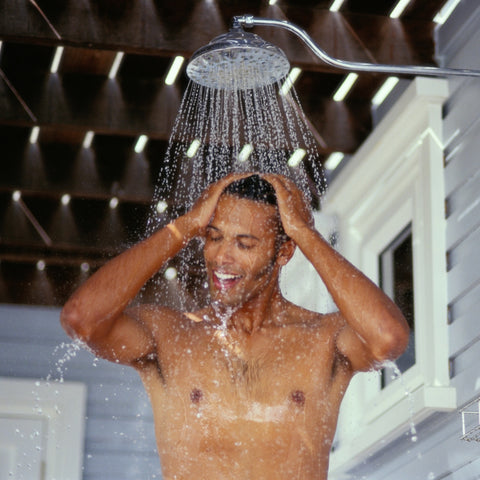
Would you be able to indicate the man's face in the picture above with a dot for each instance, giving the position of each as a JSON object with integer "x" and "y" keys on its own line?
{"x": 240, "y": 253}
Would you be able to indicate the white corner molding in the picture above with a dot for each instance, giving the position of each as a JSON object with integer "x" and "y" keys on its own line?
{"x": 396, "y": 179}
{"x": 49, "y": 419}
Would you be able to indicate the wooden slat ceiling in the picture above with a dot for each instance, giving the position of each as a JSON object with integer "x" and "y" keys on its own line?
{"x": 80, "y": 98}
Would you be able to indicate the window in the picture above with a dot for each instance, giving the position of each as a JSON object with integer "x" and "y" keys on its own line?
{"x": 389, "y": 202}
{"x": 395, "y": 267}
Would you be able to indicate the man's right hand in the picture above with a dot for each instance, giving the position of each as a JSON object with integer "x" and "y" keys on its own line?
{"x": 204, "y": 208}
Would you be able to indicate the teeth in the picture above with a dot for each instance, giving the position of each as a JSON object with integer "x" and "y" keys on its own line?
{"x": 225, "y": 276}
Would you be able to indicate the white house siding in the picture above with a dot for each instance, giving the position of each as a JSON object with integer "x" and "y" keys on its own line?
{"x": 439, "y": 452}
{"x": 119, "y": 443}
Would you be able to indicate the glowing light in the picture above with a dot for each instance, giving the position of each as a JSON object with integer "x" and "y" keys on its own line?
{"x": 57, "y": 57}
{"x": 245, "y": 152}
{"x": 290, "y": 80}
{"x": 399, "y": 8}
{"x": 117, "y": 61}
{"x": 84, "y": 267}
{"x": 170, "y": 273}
{"x": 174, "y": 70}
{"x": 333, "y": 160}
{"x": 384, "y": 90}
{"x": 446, "y": 11}
{"x": 41, "y": 265}
{"x": 193, "y": 148}
{"x": 113, "y": 203}
{"x": 65, "y": 199}
{"x": 88, "y": 139}
{"x": 345, "y": 87}
{"x": 296, "y": 157}
{"x": 272, "y": 2}
{"x": 141, "y": 142}
{"x": 34, "y": 134}
{"x": 336, "y": 5}
{"x": 162, "y": 205}
{"x": 16, "y": 195}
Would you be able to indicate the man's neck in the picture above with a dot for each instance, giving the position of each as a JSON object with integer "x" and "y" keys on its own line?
{"x": 258, "y": 312}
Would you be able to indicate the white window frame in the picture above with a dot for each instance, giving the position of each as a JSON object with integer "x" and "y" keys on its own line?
{"x": 397, "y": 178}
{"x": 61, "y": 407}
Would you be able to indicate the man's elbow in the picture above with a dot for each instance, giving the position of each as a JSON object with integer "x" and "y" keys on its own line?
{"x": 71, "y": 319}
{"x": 393, "y": 343}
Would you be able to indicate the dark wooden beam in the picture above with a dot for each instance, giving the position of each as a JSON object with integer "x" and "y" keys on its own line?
{"x": 147, "y": 27}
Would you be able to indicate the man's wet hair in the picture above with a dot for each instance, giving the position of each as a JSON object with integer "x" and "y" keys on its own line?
{"x": 253, "y": 188}
{"x": 257, "y": 189}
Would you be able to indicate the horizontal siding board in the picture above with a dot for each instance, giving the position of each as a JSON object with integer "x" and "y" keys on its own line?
{"x": 470, "y": 356}
{"x": 467, "y": 384}
{"x": 110, "y": 435}
{"x": 470, "y": 471}
{"x": 465, "y": 330}
{"x": 465, "y": 212}
{"x": 124, "y": 399}
{"x": 463, "y": 277}
{"x": 464, "y": 304}
{"x": 466, "y": 250}
{"x": 463, "y": 164}
{"x": 461, "y": 110}
{"x": 122, "y": 466}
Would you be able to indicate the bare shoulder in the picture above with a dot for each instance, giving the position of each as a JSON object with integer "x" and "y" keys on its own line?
{"x": 302, "y": 317}
{"x": 154, "y": 316}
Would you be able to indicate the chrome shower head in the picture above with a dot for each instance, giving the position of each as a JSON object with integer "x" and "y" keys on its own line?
{"x": 238, "y": 60}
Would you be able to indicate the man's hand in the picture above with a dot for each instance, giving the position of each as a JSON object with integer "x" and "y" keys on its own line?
{"x": 295, "y": 213}
{"x": 204, "y": 208}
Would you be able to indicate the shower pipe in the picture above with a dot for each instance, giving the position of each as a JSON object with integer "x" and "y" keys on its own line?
{"x": 249, "y": 21}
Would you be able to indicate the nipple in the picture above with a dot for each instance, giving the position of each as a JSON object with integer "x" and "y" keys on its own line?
{"x": 298, "y": 397}
{"x": 196, "y": 395}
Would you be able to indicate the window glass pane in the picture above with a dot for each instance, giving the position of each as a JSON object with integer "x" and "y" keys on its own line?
{"x": 396, "y": 279}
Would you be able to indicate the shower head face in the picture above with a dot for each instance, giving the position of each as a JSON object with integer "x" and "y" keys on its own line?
{"x": 238, "y": 60}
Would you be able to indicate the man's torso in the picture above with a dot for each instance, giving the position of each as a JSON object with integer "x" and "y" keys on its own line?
{"x": 228, "y": 404}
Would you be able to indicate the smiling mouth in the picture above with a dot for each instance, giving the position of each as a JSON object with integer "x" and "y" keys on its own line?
{"x": 224, "y": 281}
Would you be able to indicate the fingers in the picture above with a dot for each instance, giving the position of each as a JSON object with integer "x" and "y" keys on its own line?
{"x": 289, "y": 195}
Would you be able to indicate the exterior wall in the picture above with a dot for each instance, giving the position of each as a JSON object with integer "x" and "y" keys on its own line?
{"x": 439, "y": 452}
{"x": 119, "y": 442}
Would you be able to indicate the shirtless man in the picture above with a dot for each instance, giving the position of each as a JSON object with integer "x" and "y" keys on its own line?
{"x": 250, "y": 386}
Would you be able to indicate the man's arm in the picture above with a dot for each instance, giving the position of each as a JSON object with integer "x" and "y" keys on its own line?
{"x": 97, "y": 312}
{"x": 375, "y": 329}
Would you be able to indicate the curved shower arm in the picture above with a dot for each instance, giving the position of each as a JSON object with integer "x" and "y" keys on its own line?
{"x": 250, "y": 21}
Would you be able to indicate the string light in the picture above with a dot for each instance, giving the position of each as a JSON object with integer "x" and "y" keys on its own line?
{"x": 162, "y": 205}
{"x": 141, "y": 142}
{"x": 399, "y": 8}
{"x": 115, "y": 65}
{"x": 290, "y": 80}
{"x": 41, "y": 265}
{"x": 57, "y": 57}
{"x": 193, "y": 148}
{"x": 65, "y": 199}
{"x": 345, "y": 87}
{"x": 170, "y": 273}
{"x": 336, "y": 5}
{"x": 113, "y": 203}
{"x": 384, "y": 91}
{"x": 174, "y": 70}
{"x": 296, "y": 157}
{"x": 333, "y": 160}
{"x": 245, "y": 152}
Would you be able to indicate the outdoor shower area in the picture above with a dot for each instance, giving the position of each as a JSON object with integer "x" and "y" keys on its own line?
{"x": 403, "y": 206}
